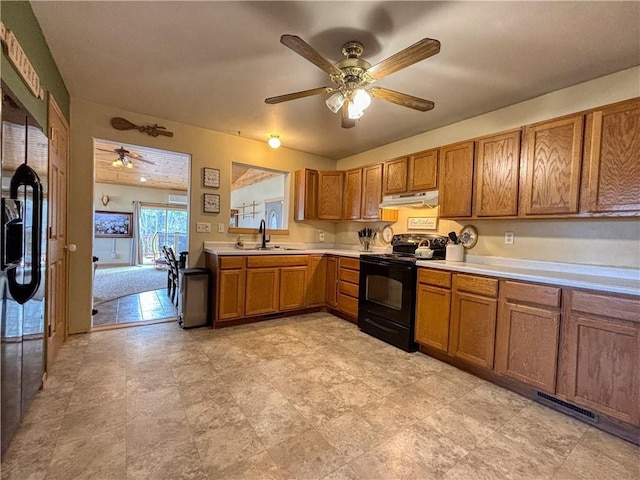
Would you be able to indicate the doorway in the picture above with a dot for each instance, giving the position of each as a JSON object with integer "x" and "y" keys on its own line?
{"x": 141, "y": 206}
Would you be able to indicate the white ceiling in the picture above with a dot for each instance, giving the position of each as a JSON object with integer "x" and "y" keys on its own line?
{"x": 212, "y": 64}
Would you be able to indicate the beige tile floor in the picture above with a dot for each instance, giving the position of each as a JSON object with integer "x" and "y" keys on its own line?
{"x": 304, "y": 397}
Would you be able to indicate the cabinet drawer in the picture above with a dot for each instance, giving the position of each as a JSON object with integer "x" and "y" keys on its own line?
{"x": 350, "y": 263}
{"x": 436, "y": 278}
{"x": 348, "y": 289}
{"x": 277, "y": 261}
{"x": 527, "y": 292}
{"x": 350, "y": 276}
{"x": 348, "y": 305}
{"x": 479, "y": 285}
{"x": 605, "y": 305}
{"x": 231, "y": 262}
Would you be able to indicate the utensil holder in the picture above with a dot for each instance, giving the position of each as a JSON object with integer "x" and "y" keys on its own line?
{"x": 454, "y": 253}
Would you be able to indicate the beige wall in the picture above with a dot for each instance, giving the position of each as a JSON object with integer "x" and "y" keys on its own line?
{"x": 595, "y": 242}
{"x": 207, "y": 149}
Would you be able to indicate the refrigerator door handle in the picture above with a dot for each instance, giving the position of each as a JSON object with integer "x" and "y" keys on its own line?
{"x": 27, "y": 177}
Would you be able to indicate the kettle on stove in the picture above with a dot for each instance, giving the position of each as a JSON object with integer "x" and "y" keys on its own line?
{"x": 424, "y": 251}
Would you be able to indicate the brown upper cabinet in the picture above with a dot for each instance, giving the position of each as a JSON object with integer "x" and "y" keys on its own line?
{"x": 456, "y": 179}
{"x": 415, "y": 173}
{"x": 371, "y": 192}
{"x": 395, "y": 176}
{"x": 423, "y": 171}
{"x": 612, "y": 159}
{"x": 352, "y": 194}
{"x": 306, "y": 194}
{"x": 550, "y": 178}
{"x": 330, "y": 190}
{"x": 496, "y": 179}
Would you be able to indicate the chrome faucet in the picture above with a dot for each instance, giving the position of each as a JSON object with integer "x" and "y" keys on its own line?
{"x": 263, "y": 231}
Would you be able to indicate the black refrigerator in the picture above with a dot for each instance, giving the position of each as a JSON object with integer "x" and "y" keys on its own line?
{"x": 24, "y": 161}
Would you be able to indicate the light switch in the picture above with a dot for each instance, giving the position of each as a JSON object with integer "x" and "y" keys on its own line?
{"x": 221, "y": 228}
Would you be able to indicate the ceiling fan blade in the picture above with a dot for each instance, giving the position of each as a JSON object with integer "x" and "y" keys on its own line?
{"x": 401, "y": 99}
{"x": 302, "y": 94}
{"x": 425, "y": 48}
{"x": 305, "y": 50}
{"x": 106, "y": 150}
{"x": 145, "y": 161}
{"x": 346, "y": 121}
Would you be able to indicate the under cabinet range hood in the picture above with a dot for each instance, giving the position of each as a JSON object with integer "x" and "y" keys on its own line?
{"x": 420, "y": 199}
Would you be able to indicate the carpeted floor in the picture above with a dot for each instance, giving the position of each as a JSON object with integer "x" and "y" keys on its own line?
{"x": 115, "y": 282}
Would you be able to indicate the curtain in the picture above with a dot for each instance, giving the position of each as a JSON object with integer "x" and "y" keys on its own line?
{"x": 136, "y": 241}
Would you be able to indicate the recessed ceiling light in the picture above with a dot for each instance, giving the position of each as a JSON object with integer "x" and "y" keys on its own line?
{"x": 142, "y": 179}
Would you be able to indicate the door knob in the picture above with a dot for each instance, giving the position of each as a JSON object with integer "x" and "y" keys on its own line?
{"x": 71, "y": 247}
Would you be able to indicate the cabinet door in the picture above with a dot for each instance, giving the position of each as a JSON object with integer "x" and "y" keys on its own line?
{"x": 317, "y": 280}
{"x": 497, "y": 175}
{"x": 423, "y": 171}
{"x": 231, "y": 294}
{"x": 527, "y": 344}
{"x": 395, "y": 176}
{"x": 456, "y": 180}
{"x": 551, "y": 166}
{"x": 371, "y": 192}
{"x": 432, "y": 317}
{"x": 352, "y": 194}
{"x": 473, "y": 328}
{"x": 293, "y": 282}
{"x": 306, "y": 195}
{"x": 330, "y": 190}
{"x": 262, "y": 291}
{"x": 332, "y": 282}
{"x": 612, "y": 159}
{"x": 600, "y": 354}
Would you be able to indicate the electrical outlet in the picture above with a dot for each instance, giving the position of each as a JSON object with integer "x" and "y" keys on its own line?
{"x": 203, "y": 227}
{"x": 320, "y": 235}
{"x": 221, "y": 228}
{"x": 509, "y": 238}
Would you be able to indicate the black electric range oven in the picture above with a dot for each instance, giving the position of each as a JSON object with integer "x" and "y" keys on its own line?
{"x": 387, "y": 295}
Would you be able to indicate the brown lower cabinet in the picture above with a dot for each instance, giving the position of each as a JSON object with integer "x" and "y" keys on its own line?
{"x": 332, "y": 282}
{"x": 600, "y": 354}
{"x": 473, "y": 319}
{"x": 316, "y": 281}
{"x": 433, "y": 306}
{"x": 348, "y": 284}
{"x": 528, "y": 333}
{"x": 262, "y": 291}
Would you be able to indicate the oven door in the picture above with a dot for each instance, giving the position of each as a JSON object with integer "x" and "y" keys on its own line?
{"x": 387, "y": 290}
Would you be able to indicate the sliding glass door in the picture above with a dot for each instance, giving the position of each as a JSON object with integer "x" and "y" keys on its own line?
{"x": 162, "y": 226}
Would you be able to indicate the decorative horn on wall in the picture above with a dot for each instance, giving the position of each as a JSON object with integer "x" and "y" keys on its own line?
{"x": 120, "y": 123}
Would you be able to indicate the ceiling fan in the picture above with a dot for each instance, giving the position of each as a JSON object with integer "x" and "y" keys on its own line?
{"x": 125, "y": 157}
{"x": 353, "y": 76}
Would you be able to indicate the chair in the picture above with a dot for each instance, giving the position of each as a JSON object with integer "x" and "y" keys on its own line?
{"x": 159, "y": 259}
{"x": 172, "y": 275}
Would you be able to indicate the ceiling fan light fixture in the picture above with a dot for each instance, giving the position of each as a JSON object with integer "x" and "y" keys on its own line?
{"x": 129, "y": 165}
{"x": 117, "y": 163}
{"x": 354, "y": 111}
{"x": 274, "y": 141}
{"x": 361, "y": 99}
{"x": 335, "y": 102}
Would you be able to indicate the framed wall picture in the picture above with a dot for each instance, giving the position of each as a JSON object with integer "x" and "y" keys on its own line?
{"x": 211, "y": 177}
{"x": 211, "y": 203}
{"x": 422, "y": 223}
{"x": 112, "y": 225}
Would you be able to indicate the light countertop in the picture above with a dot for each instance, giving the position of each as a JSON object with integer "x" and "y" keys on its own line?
{"x": 606, "y": 279}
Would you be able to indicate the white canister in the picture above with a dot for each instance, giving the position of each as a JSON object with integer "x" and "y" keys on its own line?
{"x": 455, "y": 253}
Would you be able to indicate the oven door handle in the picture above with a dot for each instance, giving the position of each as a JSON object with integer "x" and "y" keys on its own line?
{"x": 385, "y": 263}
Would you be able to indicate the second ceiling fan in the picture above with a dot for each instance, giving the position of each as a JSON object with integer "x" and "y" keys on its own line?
{"x": 351, "y": 77}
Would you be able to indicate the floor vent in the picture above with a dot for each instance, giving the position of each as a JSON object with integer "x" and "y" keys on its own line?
{"x": 566, "y": 407}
